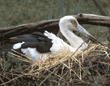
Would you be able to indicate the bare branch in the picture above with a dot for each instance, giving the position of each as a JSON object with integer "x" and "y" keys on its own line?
{"x": 51, "y": 25}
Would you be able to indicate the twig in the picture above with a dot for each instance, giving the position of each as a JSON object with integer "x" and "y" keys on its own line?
{"x": 51, "y": 25}
{"x": 104, "y": 14}
{"x": 49, "y": 75}
{"x": 11, "y": 80}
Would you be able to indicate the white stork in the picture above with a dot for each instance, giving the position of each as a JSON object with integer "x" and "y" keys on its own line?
{"x": 37, "y": 44}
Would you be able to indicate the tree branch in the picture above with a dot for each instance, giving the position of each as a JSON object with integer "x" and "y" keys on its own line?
{"x": 51, "y": 25}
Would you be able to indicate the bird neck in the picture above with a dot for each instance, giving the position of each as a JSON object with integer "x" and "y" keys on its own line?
{"x": 74, "y": 40}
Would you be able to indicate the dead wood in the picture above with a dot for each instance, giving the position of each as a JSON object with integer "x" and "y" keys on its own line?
{"x": 51, "y": 25}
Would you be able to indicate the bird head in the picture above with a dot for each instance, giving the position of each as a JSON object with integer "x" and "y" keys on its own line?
{"x": 71, "y": 23}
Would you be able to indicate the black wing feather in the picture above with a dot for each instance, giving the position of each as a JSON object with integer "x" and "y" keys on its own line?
{"x": 35, "y": 40}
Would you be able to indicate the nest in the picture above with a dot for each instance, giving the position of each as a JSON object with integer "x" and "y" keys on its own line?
{"x": 64, "y": 68}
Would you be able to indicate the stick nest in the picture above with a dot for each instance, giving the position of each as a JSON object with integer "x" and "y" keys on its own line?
{"x": 64, "y": 68}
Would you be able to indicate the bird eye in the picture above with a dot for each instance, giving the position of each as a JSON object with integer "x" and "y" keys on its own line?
{"x": 74, "y": 23}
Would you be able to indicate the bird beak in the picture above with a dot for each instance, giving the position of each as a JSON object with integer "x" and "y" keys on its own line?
{"x": 87, "y": 34}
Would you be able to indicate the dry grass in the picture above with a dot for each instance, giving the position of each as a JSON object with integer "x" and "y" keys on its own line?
{"x": 90, "y": 67}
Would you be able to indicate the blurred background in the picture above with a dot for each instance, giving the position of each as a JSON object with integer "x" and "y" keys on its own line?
{"x": 16, "y": 12}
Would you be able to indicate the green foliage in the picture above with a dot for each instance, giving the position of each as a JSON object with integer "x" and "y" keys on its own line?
{"x": 50, "y": 12}
{"x": 86, "y": 71}
{"x": 16, "y": 12}
{"x": 67, "y": 11}
{"x": 60, "y": 10}
{"x": 78, "y": 7}
{"x": 13, "y": 63}
{"x": 96, "y": 80}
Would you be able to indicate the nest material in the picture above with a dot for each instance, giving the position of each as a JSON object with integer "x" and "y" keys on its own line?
{"x": 90, "y": 67}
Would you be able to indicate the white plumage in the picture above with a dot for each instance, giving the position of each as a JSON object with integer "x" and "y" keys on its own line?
{"x": 67, "y": 25}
